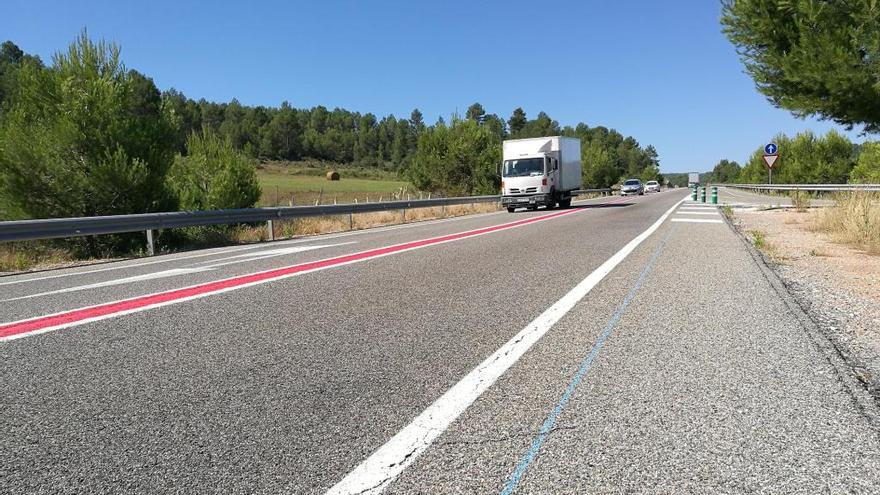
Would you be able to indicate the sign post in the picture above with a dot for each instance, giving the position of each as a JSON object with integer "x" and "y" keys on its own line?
{"x": 771, "y": 155}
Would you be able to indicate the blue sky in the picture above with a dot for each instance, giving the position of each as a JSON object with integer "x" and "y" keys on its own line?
{"x": 659, "y": 71}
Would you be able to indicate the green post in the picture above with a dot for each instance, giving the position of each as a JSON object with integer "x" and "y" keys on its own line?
{"x": 714, "y": 195}
{"x": 702, "y": 195}
{"x": 694, "y": 192}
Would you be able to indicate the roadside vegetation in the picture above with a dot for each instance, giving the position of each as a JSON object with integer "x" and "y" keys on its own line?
{"x": 759, "y": 240}
{"x": 727, "y": 211}
{"x": 83, "y": 135}
{"x": 806, "y": 159}
{"x": 855, "y": 221}
{"x": 814, "y": 59}
{"x": 287, "y": 184}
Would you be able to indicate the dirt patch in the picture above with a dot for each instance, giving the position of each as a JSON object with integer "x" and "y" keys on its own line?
{"x": 799, "y": 245}
{"x": 838, "y": 286}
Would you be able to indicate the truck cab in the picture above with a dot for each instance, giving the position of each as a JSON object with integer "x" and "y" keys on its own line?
{"x": 529, "y": 180}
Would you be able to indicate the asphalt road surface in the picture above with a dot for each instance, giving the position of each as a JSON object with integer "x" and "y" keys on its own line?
{"x": 624, "y": 345}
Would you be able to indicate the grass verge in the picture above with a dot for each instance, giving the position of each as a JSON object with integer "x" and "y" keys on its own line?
{"x": 800, "y": 200}
{"x": 854, "y": 220}
{"x": 290, "y": 185}
{"x": 727, "y": 211}
{"x": 759, "y": 240}
{"x": 20, "y": 256}
{"x": 341, "y": 223}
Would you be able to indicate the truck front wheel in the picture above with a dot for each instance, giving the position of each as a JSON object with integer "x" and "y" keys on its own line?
{"x": 565, "y": 203}
{"x": 510, "y": 209}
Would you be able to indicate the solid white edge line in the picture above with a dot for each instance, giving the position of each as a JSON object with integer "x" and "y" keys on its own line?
{"x": 223, "y": 250}
{"x": 713, "y": 213}
{"x": 505, "y": 226}
{"x": 122, "y": 267}
{"x": 382, "y": 467}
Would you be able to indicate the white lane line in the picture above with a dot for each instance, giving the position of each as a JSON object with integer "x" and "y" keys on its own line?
{"x": 270, "y": 253}
{"x": 696, "y": 220}
{"x": 388, "y": 461}
{"x": 311, "y": 238}
{"x": 119, "y": 281}
{"x": 183, "y": 271}
{"x": 712, "y": 213}
{"x": 136, "y": 265}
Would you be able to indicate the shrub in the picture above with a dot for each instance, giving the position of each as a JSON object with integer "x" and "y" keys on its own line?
{"x": 213, "y": 175}
{"x": 85, "y": 137}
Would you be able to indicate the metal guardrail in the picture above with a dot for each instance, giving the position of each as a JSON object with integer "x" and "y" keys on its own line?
{"x": 805, "y": 187}
{"x": 56, "y": 228}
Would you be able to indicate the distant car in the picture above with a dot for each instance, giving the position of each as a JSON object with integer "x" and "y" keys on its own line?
{"x": 652, "y": 186}
{"x": 632, "y": 187}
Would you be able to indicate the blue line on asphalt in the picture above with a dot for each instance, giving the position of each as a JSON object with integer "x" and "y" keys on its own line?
{"x": 585, "y": 366}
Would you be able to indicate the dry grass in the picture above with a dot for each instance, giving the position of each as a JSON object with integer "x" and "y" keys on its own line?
{"x": 23, "y": 256}
{"x": 727, "y": 211}
{"x": 800, "y": 200}
{"x": 20, "y": 256}
{"x": 340, "y": 223}
{"x": 821, "y": 253}
{"x": 854, "y": 220}
{"x": 284, "y": 186}
{"x": 759, "y": 240}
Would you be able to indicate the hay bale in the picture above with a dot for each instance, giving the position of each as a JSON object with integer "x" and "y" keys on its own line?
{"x": 332, "y": 175}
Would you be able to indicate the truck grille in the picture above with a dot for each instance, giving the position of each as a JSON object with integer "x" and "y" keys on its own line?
{"x": 528, "y": 190}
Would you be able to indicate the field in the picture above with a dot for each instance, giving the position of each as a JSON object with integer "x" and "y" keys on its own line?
{"x": 285, "y": 185}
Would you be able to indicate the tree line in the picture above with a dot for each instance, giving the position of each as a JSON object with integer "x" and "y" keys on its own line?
{"x": 345, "y": 137}
{"x": 807, "y": 159}
{"x": 84, "y": 136}
{"x": 816, "y": 59}
{"x": 138, "y": 132}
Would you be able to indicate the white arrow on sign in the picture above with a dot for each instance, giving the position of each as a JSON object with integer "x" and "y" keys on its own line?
{"x": 770, "y": 160}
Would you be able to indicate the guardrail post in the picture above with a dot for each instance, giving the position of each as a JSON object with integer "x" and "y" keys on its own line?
{"x": 714, "y": 195}
{"x": 151, "y": 247}
{"x": 402, "y": 215}
{"x": 350, "y": 222}
{"x": 270, "y": 228}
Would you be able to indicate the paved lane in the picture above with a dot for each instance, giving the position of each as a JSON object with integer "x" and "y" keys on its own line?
{"x": 30, "y": 295}
{"x": 284, "y": 386}
{"x": 684, "y": 369}
{"x": 708, "y": 382}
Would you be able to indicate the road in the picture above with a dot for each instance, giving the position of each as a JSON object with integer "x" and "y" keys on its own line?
{"x": 744, "y": 198}
{"x": 626, "y": 344}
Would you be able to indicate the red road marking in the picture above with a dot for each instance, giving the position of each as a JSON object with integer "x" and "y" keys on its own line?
{"x": 65, "y": 319}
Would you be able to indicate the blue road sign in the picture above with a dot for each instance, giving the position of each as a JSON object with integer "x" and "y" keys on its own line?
{"x": 771, "y": 149}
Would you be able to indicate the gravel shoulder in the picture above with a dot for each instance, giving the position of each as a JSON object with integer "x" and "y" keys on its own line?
{"x": 837, "y": 286}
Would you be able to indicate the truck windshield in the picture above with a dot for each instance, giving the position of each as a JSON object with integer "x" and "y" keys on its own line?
{"x": 524, "y": 167}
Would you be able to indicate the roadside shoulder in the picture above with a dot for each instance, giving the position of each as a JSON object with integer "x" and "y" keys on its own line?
{"x": 853, "y": 367}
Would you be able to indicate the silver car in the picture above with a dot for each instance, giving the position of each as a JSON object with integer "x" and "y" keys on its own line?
{"x": 632, "y": 187}
{"x": 652, "y": 186}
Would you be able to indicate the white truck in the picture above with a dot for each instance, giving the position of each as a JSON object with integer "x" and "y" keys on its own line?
{"x": 540, "y": 172}
{"x": 693, "y": 178}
